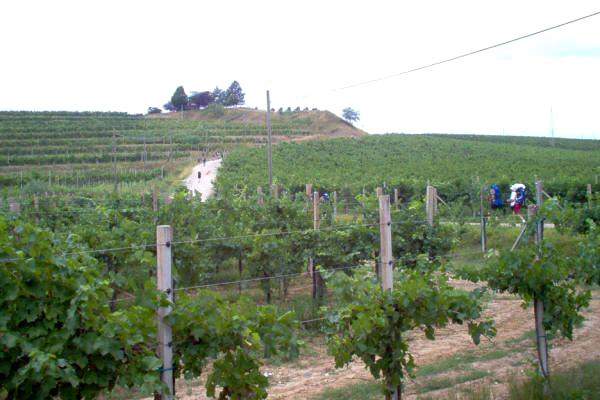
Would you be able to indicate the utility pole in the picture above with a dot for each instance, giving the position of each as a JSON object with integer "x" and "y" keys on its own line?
{"x": 269, "y": 155}
{"x": 115, "y": 161}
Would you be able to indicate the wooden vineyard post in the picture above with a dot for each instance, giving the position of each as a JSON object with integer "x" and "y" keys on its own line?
{"x": 396, "y": 198}
{"x": 385, "y": 232}
{"x": 539, "y": 197}
{"x": 316, "y": 212}
{"x": 308, "y": 192}
{"x": 379, "y": 191}
{"x": 386, "y": 258}
{"x": 14, "y": 206}
{"x": 334, "y": 207}
{"x": 589, "y": 195}
{"x": 429, "y": 204}
{"x": 154, "y": 201}
{"x": 317, "y": 279}
{"x": 538, "y": 304}
{"x": 482, "y": 222}
{"x": 259, "y": 196}
{"x": 164, "y": 283}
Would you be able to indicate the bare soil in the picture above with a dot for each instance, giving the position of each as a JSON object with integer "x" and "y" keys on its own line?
{"x": 314, "y": 372}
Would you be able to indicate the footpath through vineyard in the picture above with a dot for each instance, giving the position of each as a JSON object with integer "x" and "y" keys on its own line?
{"x": 204, "y": 185}
{"x": 492, "y": 365}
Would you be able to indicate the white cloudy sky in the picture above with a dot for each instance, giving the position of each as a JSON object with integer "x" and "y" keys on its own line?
{"x": 129, "y": 55}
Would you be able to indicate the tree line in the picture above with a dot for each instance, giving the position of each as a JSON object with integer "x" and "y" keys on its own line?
{"x": 233, "y": 96}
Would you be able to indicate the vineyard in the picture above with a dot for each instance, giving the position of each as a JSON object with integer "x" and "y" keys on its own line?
{"x": 452, "y": 163}
{"x": 80, "y": 296}
{"x": 81, "y": 149}
{"x": 256, "y": 287}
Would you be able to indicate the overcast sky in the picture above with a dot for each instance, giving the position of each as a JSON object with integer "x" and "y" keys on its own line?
{"x": 129, "y": 55}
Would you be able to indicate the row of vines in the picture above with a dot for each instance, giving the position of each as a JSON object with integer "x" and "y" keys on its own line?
{"x": 78, "y": 299}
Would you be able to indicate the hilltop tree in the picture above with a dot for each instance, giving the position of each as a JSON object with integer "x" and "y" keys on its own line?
{"x": 218, "y": 95}
{"x": 234, "y": 95}
{"x": 179, "y": 98}
{"x": 350, "y": 115}
{"x": 200, "y": 99}
{"x": 169, "y": 106}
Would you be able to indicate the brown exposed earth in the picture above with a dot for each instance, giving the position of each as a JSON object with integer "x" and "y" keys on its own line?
{"x": 513, "y": 352}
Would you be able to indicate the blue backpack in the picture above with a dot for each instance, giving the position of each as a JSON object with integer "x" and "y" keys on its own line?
{"x": 520, "y": 199}
{"x": 497, "y": 199}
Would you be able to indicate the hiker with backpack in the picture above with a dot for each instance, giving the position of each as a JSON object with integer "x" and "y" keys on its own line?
{"x": 495, "y": 199}
{"x": 517, "y": 199}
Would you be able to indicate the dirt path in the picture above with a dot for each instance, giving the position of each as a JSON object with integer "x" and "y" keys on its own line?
{"x": 204, "y": 185}
{"x": 314, "y": 372}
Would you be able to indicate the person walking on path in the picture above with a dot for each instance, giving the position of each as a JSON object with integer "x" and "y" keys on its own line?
{"x": 517, "y": 200}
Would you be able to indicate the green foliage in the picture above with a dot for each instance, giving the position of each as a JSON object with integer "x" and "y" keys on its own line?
{"x": 154, "y": 110}
{"x": 179, "y": 99}
{"x": 57, "y": 334}
{"x": 216, "y": 110}
{"x": 542, "y": 274}
{"x": 234, "y": 95}
{"x": 370, "y": 322}
{"x": 350, "y": 115}
{"x": 406, "y": 162}
{"x": 205, "y": 327}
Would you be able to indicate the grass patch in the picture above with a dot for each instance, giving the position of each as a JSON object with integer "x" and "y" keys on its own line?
{"x": 581, "y": 382}
{"x": 357, "y": 391}
{"x": 459, "y": 360}
{"x": 447, "y": 382}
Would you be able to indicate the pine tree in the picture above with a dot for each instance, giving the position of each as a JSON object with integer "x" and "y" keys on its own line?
{"x": 179, "y": 98}
{"x": 234, "y": 95}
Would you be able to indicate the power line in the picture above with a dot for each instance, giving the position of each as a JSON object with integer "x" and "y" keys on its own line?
{"x": 443, "y": 61}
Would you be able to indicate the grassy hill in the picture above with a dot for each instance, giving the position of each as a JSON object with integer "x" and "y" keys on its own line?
{"x": 79, "y": 148}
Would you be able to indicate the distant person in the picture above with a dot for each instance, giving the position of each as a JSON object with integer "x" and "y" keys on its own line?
{"x": 496, "y": 199}
{"x": 199, "y": 175}
{"x": 517, "y": 199}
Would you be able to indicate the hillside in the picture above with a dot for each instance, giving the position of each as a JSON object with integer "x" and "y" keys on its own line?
{"x": 409, "y": 161}
{"x": 80, "y": 148}
{"x": 319, "y": 123}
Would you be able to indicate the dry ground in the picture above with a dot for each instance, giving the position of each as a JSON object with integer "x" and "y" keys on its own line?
{"x": 512, "y": 351}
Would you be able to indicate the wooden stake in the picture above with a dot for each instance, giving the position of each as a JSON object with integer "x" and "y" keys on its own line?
{"x": 308, "y": 192}
{"x": 429, "y": 201}
{"x": 385, "y": 232}
{"x": 539, "y": 196}
{"x": 259, "y": 196}
{"x": 164, "y": 283}
{"x": 317, "y": 279}
{"x": 482, "y": 222}
{"x": 386, "y": 258}
{"x": 154, "y": 201}
{"x": 316, "y": 212}
{"x": 379, "y": 191}
{"x": 13, "y": 206}
{"x": 589, "y": 195}
{"x": 396, "y": 198}
{"x": 334, "y": 207}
